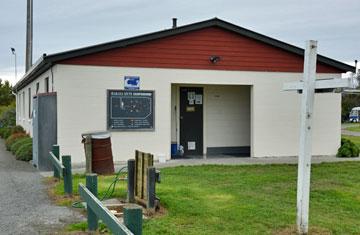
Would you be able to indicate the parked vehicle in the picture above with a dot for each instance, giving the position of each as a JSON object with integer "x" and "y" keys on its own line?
{"x": 354, "y": 114}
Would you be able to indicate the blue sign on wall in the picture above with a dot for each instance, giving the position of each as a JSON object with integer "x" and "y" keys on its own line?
{"x": 131, "y": 83}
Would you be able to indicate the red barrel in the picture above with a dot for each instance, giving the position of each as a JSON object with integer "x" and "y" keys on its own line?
{"x": 102, "y": 158}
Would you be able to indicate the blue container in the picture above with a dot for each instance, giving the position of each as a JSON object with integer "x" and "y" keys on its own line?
{"x": 174, "y": 148}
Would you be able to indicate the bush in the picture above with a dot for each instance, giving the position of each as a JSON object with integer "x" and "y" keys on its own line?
{"x": 13, "y": 138}
{"x": 348, "y": 149}
{"x": 24, "y": 153}
{"x": 8, "y": 118}
{"x": 17, "y": 129}
{"x": 5, "y": 132}
{"x": 20, "y": 142}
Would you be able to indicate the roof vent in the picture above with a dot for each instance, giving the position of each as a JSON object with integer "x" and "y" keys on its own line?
{"x": 174, "y": 21}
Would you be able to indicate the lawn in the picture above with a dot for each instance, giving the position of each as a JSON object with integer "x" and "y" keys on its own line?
{"x": 355, "y": 139}
{"x": 353, "y": 128}
{"x": 258, "y": 199}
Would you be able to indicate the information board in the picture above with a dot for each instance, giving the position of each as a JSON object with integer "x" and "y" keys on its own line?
{"x": 130, "y": 110}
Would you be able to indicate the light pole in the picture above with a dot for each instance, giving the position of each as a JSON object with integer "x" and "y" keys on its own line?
{"x": 14, "y": 53}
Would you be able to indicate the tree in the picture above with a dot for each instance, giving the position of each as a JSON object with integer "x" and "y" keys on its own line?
{"x": 6, "y": 96}
{"x": 348, "y": 102}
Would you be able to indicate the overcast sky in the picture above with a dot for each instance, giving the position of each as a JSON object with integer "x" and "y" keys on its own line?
{"x": 67, "y": 24}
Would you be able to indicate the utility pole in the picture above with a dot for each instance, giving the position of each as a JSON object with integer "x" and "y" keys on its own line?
{"x": 29, "y": 35}
{"x": 15, "y": 66}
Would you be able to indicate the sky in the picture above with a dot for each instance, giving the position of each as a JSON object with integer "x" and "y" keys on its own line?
{"x": 61, "y": 25}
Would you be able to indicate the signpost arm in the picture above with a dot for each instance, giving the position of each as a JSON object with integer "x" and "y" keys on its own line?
{"x": 304, "y": 167}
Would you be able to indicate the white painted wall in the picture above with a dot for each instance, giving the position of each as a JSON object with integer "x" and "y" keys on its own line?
{"x": 227, "y": 116}
{"x": 274, "y": 114}
{"x": 22, "y": 102}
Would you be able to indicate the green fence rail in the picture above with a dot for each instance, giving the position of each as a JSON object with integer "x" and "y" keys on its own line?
{"x": 62, "y": 168}
{"x": 96, "y": 210}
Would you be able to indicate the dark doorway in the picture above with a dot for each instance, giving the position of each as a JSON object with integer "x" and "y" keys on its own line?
{"x": 191, "y": 120}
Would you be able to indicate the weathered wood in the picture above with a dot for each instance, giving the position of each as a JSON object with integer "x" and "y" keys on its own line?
{"x": 56, "y": 163}
{"x": 138, "y": 174}
{"x": 142, "y": 162}
{"x": 327, "y": 83}
{"x": 304, "y": 166}
{"x": 146, "y": 158}
{"x": 102, "y": 212}
{"x": 88, "y": 153}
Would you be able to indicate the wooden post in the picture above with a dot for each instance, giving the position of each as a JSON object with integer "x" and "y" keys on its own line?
{"x": 151, "y": 181}
{"x": 304, "y": 166}
{"x": 56, "y": 151}
{"x": 131, "y": 181}
{"x": 66, "y": 161}
{"x": 88, "y": 154}
{"x": 92, "y": 185}
{"x": 133, "y": 218}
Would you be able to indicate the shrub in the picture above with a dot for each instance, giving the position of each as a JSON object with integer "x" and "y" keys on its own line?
{"x": 14, "y": 137}
{"x": 24, "y": 153}
{"x": 17, "y": 129}
{"x": 348, "y": 149}
{"x": 5, "y": 132}
{"x": 18, "y": 143}
{"x": 8, "y": 118}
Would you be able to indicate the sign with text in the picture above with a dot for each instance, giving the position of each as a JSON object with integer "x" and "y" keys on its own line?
{"x": 130, "y": 110}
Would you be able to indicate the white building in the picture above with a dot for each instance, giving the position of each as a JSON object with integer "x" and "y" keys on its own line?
{"x": 217, "y": 89}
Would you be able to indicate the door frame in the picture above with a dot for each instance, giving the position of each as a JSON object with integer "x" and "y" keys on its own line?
{"x": 177, "y": 102}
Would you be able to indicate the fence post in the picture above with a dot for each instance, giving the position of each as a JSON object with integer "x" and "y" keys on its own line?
{"x": 151, "y": 180}
{"x": 92, "y": 185}
{"x": 56, "y": 151}
{"x": 66, "y": 161}
{"x": 133, "y": 218}
{"x": 131, "y": 180}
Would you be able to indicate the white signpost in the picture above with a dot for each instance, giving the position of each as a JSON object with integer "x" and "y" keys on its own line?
{"x": 308, "y": 86}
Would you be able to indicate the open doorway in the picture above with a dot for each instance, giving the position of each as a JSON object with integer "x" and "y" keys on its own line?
{"x": 211, "y": 120}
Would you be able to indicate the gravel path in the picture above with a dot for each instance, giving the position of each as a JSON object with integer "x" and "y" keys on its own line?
{"x": 24, "y": 205}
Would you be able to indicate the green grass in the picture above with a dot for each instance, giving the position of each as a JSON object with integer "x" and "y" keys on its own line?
{"x": 258, "y": 199}
{"x": 353, "y": 128}
{"x": 355, "y": 139}
{"x": 103, "y": 184}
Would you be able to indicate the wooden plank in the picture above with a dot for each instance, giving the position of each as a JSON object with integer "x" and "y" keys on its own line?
{"x": 144, "y": 175}
{"x": 136, "y": 175}
{"x": 322, "y": 84}
{"x": 102, "y": 212}
{"x": 56, "y": 163}
{"x": 304, "y": 166}
{"x": 139, "y": 172}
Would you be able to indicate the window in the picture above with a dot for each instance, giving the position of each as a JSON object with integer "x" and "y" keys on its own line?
{"x": 29, "y": 104}
{"x": 47, "y": 84}
{"x": 37, "y": 88}
{"x": 23, "y": 105}
{"x": 18, "y": 108}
